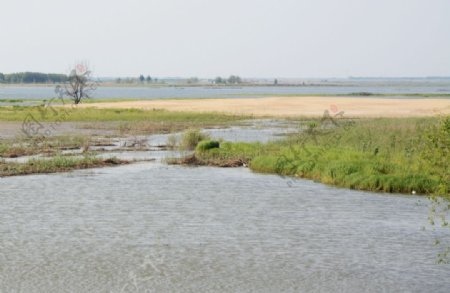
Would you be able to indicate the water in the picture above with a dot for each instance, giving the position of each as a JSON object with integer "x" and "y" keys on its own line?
{"x": 38, "y": 92}
{"x": 262, "y": 130}
{"x": 150, "y": 227}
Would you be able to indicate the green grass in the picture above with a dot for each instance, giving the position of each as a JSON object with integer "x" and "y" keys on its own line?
{"x": 389, "y": 155}
{"x": 348, "y": 168}
{"x": 206, "y": 145}
{"x": 19, "y": 113}
{"x": 233, "y": 151}
{"x": 55, "y": 164}
{"x": 12, "y": 100}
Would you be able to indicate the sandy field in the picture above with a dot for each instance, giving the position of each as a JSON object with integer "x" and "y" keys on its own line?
{"x": 296, "y": 106}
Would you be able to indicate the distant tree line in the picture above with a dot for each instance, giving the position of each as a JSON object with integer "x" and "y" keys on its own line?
{"x": 192, "y": 80}
{"x": 32, "y": 77}
{"x": 233, "y": 79}
{"x": 140, "y": 79}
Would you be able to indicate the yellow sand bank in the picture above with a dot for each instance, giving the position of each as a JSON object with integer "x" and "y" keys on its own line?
{"x": 296, "y": 106}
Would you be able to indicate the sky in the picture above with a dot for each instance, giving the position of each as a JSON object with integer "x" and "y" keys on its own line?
{"x": 208, "y": 38}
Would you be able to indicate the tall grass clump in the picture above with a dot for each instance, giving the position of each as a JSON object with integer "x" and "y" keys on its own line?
{"x": 172, "y": 141}
{"x": 436, "y": 153}
{"x": 191, "y": 138}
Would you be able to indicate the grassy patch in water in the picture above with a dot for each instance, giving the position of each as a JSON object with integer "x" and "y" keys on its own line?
{"x": 348, "y": 168}
{"x": 389, "y": 155}
{"x": 18, "y": 147}
{"x": 55, "y": 164}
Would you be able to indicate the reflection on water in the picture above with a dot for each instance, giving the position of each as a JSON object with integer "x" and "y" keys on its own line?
{"x": 151, "y": 227}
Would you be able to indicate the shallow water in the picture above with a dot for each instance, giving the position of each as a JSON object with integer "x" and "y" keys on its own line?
{"x": 150, "y": 227}
{"x": 262, "y": 130}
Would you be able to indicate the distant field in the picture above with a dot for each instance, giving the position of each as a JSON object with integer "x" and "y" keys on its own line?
{"x": 294, "y": 106}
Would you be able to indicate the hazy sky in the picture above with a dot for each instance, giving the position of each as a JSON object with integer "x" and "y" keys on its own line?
{"x": 206, "y": 38}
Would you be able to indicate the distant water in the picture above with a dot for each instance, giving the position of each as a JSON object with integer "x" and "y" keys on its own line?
{"x": 38, "y": 92}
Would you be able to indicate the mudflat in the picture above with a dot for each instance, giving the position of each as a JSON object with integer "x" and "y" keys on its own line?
{"x": 296, "y": 106}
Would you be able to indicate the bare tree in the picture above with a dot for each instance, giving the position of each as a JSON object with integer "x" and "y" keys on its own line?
{"x": 80, "y": 84}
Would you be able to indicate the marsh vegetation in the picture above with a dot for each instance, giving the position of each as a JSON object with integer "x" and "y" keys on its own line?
{"x": 56, "y": 164}
{"x": 121, "y": 129}
{"x": 406, "y": 155}
{"x": 390, "y": 155}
